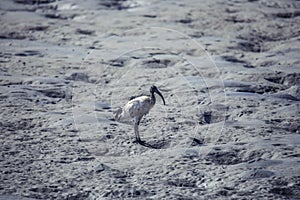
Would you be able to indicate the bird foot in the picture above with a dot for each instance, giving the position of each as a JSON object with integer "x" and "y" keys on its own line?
{"x": 138, "y": 142}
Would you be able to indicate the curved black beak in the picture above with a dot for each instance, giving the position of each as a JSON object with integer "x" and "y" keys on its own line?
{"x": 158, "y": 92}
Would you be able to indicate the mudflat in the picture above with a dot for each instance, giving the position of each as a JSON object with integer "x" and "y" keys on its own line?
{"x": 229, "y": 72}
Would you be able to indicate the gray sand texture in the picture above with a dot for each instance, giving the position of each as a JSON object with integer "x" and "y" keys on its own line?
{"x": 229, "y": 72}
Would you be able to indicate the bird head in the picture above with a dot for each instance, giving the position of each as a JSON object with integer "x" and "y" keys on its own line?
{"x": 154, "y": 89}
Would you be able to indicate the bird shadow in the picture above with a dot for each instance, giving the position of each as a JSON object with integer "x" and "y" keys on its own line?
{"x": 157, "y": 145}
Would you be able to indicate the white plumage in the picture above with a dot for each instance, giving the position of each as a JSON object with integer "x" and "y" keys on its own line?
{"x": 137, "y": 108}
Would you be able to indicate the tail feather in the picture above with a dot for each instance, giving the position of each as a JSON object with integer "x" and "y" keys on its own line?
{"x": 118, "y": 114}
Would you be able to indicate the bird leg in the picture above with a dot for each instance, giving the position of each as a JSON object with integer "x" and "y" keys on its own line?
{"x": 136, "y": 130}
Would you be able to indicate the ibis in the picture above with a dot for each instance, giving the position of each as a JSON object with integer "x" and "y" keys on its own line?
{"x": 137, "y": 108}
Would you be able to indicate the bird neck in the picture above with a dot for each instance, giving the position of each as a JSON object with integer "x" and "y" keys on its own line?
{"x": 153, "y": 99}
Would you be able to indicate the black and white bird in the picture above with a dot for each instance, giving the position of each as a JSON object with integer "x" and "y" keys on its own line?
{"x": 137, "y": 108}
